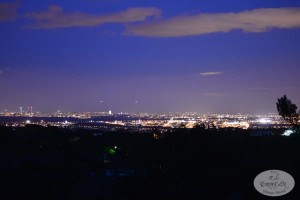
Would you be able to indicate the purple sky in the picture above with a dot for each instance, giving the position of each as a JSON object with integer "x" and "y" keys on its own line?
{"x": 149, "y": 56}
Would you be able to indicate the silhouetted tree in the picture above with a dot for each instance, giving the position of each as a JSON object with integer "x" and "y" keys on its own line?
{"x": 288, "y": 111}
{"x": 182, "y": 125}
{"x": 211, "y": 126}
{"x": 199, "y": 126}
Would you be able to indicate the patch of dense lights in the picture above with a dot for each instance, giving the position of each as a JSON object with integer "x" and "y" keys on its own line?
{"x": 27, "y": 121}
{"x": 233, "y": 123}
{"x": 264, "y": 121}
{"x": 246, "y": 125}
{"x": 287, "y": 132}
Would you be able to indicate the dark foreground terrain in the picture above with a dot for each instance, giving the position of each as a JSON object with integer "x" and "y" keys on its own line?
{"x": 52, "y": 163}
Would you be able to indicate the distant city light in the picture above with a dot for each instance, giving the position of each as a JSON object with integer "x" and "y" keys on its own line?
{"x": 146, "y": 121}
{"x": 233, "y": 123}
{"x": 264, "y": 121}
{"x": 288, "y": 132}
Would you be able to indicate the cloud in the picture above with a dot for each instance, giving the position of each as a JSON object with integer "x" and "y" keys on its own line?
{"x": 225, "y": 95}
{"x": 216, "y": 95}
{"x": 210, "y": 73}
{"x": 4, "y": 70}
{"x": 8, "y": 11}
{"x": 55, "y": 17}
{"x": 274, "y": 88}
{"x": 257, "y": 20}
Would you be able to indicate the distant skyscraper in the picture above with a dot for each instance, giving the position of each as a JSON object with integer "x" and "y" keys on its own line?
{"x": 21, "y": 110}
{"x": 109, "y": 112}
{"x": 29, "y": 110}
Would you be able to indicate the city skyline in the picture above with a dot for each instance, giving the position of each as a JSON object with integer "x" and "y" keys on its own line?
{"x": 156, "y": 57}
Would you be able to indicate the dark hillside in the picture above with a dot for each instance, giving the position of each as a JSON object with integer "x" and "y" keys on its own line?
{"x": 185, "y": 164}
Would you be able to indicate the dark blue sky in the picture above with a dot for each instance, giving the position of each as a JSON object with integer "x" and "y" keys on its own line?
{"x": 149, "y": 56}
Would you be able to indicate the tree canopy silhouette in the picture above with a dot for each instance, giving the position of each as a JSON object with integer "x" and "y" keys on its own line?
{"x": 288, "y": 110}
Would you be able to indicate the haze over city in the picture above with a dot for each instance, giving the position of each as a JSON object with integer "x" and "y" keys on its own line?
{"x": 149, "y": 56}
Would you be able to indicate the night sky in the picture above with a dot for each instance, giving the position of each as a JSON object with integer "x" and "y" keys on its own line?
{"x": 149, "y": 56}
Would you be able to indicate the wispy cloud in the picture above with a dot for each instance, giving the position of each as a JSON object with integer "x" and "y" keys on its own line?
{"x": 216, "y": 95}
{"x": 55, "y": 17}
{"x": 210, "y": 73}
{"x": 225, "y": 95}
{"x": 4, "y": 70}
{"x": 257, "y": 20}
{"x": 8, "y": 11}
{"x": 274, "y": 88}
